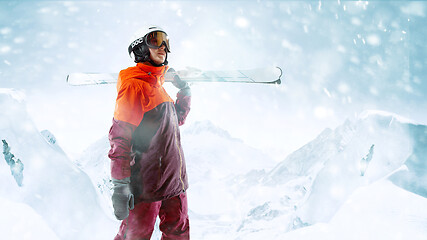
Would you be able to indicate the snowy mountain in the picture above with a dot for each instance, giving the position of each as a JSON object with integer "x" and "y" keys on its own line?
{"x": 247, "y": 197}
{"x": 393, "y": 145}
{"x": 52, "y": 187}
{"x": 375, "y": 150}
{"x": 340, "y": 182}
{"x": 365, "y": 179}
{"x": 380, "y": 210}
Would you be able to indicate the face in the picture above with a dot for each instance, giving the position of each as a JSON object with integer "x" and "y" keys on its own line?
{"x": 158, "y": 56}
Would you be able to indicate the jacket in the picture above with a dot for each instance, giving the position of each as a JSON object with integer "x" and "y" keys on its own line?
{"x": 145, "y": 138}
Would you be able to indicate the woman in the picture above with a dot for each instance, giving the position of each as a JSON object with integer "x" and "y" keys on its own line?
{"x": 147, "y": 162}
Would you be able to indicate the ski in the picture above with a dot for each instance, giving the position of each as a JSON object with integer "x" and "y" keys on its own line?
{"x": 270, "y": 75}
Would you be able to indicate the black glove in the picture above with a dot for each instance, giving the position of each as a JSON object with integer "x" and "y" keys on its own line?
{"x": 123, "y": 199}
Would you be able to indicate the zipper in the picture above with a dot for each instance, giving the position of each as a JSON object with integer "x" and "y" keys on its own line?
{"x": 127, "y": 228}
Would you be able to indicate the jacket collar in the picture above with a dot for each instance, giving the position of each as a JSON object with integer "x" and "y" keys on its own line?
{"x": 154, "y": 70}
{"x": 156, "y": 73}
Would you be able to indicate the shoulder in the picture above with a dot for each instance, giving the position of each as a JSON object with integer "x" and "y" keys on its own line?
{"x": 129, "y": 85}
{"x": 128, "y": 73}
{"x": 128, "y": 79}
{"x": 129, "y": 69}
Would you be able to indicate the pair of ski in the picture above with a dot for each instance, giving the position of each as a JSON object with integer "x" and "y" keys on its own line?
{"x": 269, "y": 75}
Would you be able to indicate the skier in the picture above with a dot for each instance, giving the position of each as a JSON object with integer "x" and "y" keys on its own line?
{"x": 147, "y": 162}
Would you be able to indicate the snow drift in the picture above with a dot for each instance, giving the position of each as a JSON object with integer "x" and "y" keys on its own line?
{"x": 52, "y": 185}
{"x": 26, "y": 223}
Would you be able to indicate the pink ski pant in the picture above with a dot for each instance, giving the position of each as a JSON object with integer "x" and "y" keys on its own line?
{"x": 173, "y": 214}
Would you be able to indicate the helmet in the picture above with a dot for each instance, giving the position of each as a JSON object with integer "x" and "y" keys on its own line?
{"x": 153, "y": 37}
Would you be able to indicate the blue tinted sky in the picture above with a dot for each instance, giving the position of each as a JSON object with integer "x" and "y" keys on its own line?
{"x": 340, "y": 58}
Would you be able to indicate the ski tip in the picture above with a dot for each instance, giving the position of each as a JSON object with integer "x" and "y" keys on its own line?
{"x": 279, "y": 80}
{"x": 281, "y": 72}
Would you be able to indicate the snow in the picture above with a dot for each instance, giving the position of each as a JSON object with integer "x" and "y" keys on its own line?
{"x": 314, "y": 47}
{"x": 335, "y": 201}
{"x": 242, "y": 22}
{"x": 52, "y": 186}
{"x": 379, "y": 113}
{"x": 319, "y": 190}
{"x": 377, "y": 211}
{"x": 26, "y": 224}
{"x": 414, "y": 8}
{"x": 333, "y": 185}
{"x": 338, "y": 151}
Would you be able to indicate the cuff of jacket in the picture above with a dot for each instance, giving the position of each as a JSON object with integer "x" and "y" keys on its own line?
{"x": 185, "y": 91}
{"x": 120, "y": 182}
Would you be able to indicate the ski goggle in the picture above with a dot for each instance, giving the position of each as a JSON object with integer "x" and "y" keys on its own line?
{"x": 157, "y": 39}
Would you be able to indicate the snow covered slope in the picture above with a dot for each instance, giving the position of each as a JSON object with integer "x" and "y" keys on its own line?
{"x": 26, "y": 224}
{"x": 383, "y": 136}
{"x": 53, "y": 186}
{"x": 329, "y": 170}
{"x": 379, "y": 211}
{"x": 95, "y": 162}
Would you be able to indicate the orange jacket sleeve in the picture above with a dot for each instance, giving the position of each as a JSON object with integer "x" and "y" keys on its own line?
{"x": 129, "y": 103}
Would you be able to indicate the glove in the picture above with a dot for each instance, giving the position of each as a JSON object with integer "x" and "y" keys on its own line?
{"x": 182, "y": 85}
{"x": 177, "y": 82}
{"x": 123, "y": 199}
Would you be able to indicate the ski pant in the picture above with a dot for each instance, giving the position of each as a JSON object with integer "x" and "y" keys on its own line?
{"x": 173, "y": 214}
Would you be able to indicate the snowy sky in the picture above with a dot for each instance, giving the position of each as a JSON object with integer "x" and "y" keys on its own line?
{"x": 340, "y": 58}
